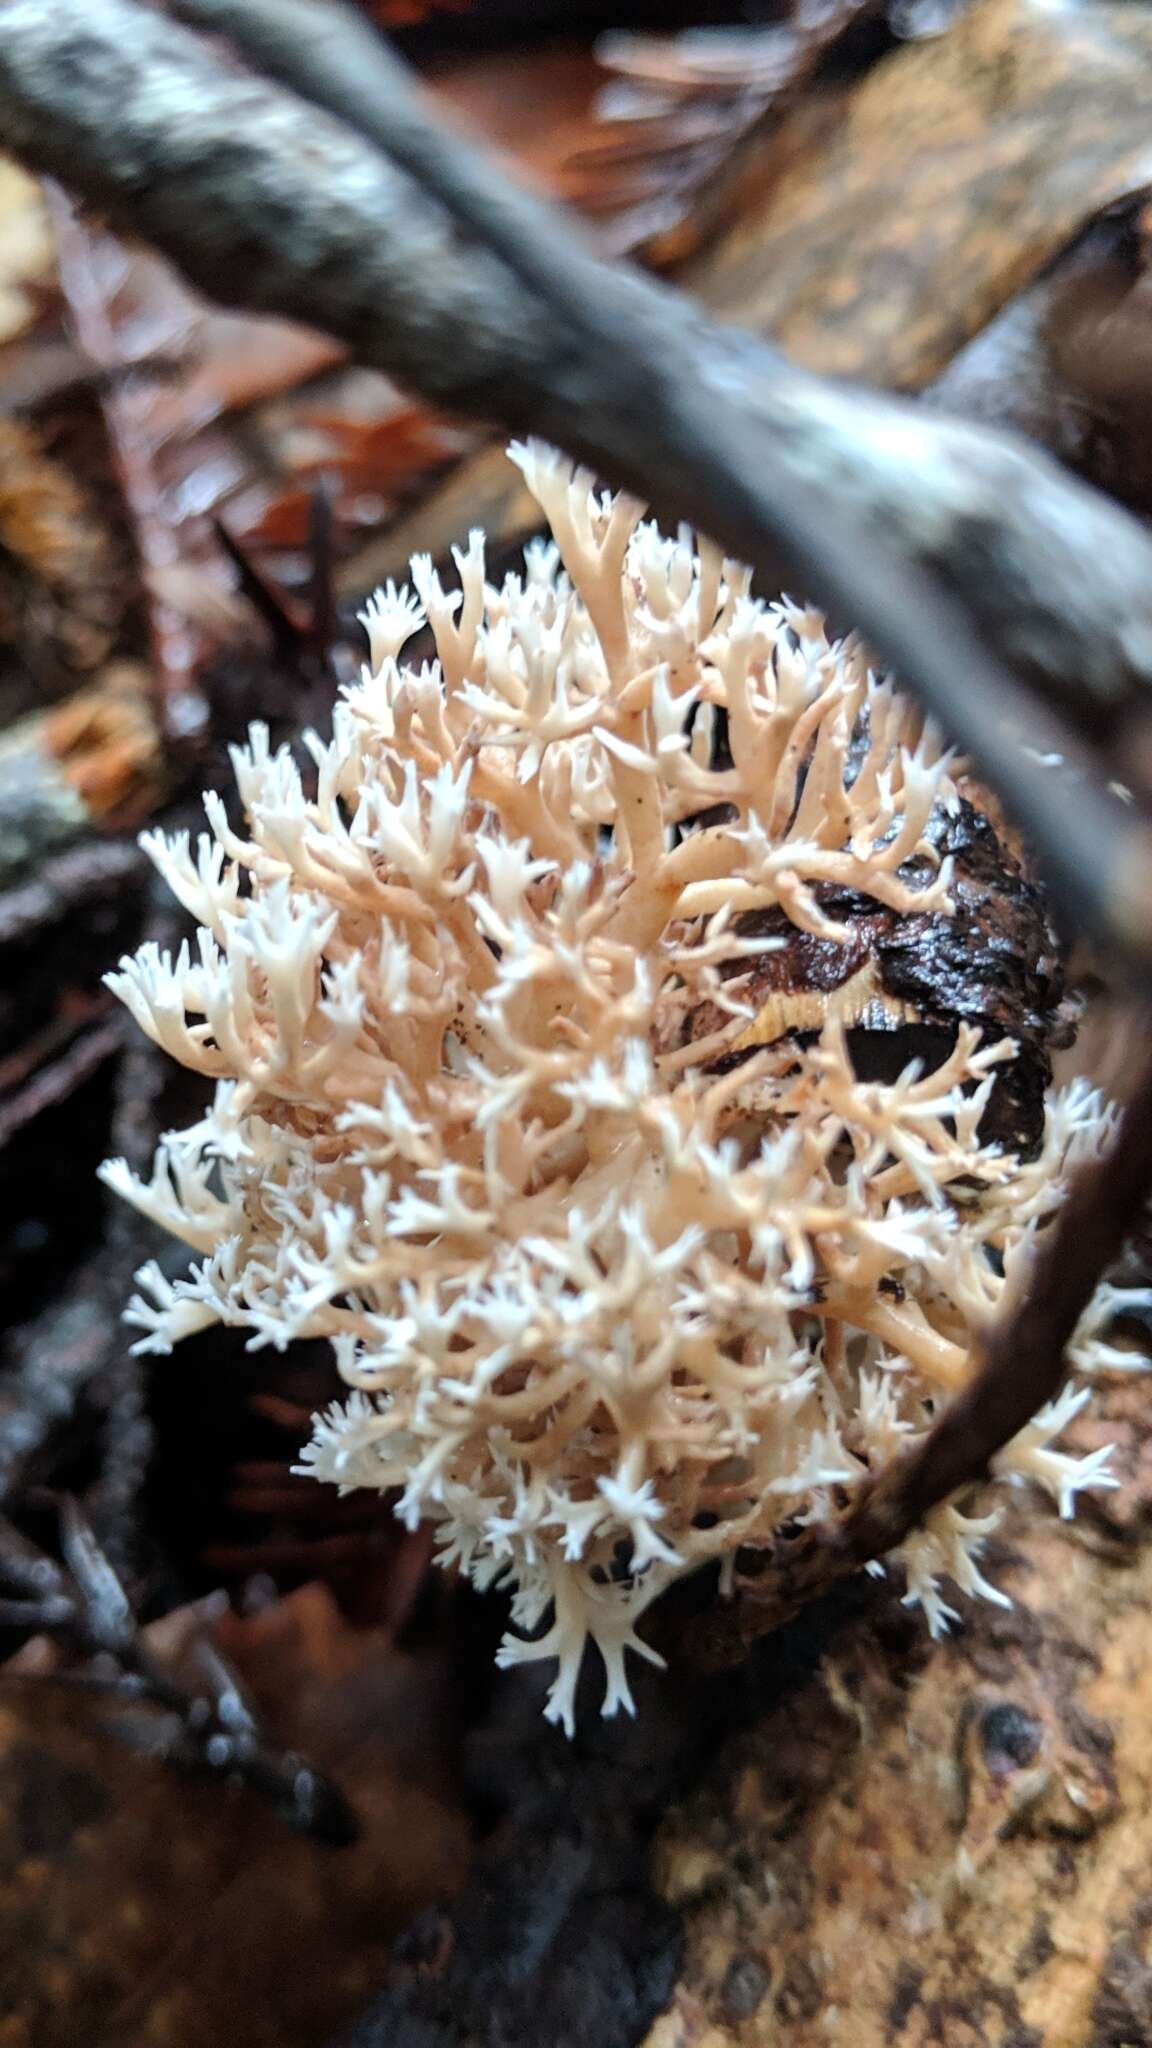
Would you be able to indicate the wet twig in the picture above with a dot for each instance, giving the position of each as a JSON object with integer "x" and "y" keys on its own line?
{"x": 125, "y": 1430}
{"x": 54, "y": 1359}
{"x": 73, "y": 1359}
{"x": 70, "y": 881}
{"x": 211, "y": 1729}
{"x": 303, "y": 635}
{"x": 64, "y": 1068}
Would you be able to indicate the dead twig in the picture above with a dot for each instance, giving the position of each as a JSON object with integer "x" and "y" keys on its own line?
{"x": 62, "y": 1069}
{"x": 960, "y": 555}
{"x": 70, "y": 881}
{"x": 302, "y": 635}
{"x": 73, "y": 1361}
{"x": 211, "y": 1729}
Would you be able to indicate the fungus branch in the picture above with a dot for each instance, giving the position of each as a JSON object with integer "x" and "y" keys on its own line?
{"x": 1023, "y": 1364}
{"x": 615, "y": 1291}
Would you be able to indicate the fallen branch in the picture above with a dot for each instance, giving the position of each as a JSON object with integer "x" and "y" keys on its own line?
{"x": 953, "y": 549}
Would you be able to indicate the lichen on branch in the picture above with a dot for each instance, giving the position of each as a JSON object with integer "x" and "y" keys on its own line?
{"x": 612, "y": 1297}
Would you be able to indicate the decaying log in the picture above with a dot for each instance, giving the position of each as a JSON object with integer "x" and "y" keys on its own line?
{"x": 915, "y": 528}
{"x": 943, "y": 1846}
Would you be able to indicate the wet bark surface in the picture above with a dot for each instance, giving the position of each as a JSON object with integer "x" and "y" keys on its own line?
{"x": 902, "y": 983}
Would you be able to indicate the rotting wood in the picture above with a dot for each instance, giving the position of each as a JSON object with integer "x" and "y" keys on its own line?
{"x": 941, "y": 1843}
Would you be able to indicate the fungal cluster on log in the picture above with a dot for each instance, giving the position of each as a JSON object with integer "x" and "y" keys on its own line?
{"x": 539, "y": 1018}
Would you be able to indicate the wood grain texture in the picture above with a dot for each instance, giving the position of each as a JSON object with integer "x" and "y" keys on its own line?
{"x": 943, "y": 1846}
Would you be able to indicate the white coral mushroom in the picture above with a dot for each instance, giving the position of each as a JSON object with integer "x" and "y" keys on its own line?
{"x": 607, "y": 1308}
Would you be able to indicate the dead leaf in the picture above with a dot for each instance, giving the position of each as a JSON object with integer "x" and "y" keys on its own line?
{"x": 489, "y": 92}
{"x": 682, "y": 116}
{"x": 59, "y": 601}
{"x": 874, "y": 244}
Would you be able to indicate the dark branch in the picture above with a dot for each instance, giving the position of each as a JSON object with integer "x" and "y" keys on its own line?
{"x": 954, "y": 550}
{"x": 65, "y": 882}
{"x": 210, "y": 1730}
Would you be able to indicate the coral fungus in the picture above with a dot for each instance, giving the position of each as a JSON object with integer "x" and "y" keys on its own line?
{"x": 614, "y": 1292}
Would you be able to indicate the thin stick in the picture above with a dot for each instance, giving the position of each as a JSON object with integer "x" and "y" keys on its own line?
{"x": 213, "y": 1730}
